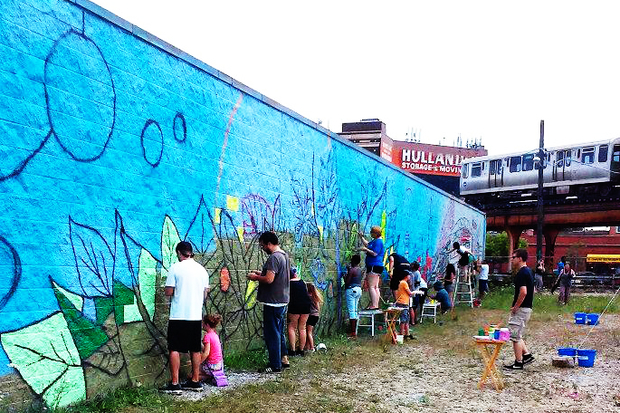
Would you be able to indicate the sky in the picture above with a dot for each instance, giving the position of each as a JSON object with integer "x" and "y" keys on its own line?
{"x": 485, "y": 70}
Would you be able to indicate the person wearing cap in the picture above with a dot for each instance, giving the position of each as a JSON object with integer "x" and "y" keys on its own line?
{"x": 442, "y": 296}
{"x": 187, "y": 284}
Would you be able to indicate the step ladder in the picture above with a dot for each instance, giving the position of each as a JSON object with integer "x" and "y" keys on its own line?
{"x": 463, "y": 291}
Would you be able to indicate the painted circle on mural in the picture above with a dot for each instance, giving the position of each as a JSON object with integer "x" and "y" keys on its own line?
{"x": 179, "y": 126}
{"x": 10, "y": 271}
{"x": 152, "y": 141}
{"x": 80, "y": 96}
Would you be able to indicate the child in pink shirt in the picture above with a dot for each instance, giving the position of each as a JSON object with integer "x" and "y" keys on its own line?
{"x": 212, "y": 362}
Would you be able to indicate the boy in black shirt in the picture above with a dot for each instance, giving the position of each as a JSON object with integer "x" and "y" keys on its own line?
{"x": 521, "y": 310}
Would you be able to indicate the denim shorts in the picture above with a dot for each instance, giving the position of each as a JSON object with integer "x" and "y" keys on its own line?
{"x": 405, "y": 317}
{"x": 353, "y": 296}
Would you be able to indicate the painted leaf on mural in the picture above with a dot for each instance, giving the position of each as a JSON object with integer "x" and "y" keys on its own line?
{"x": 108, "y": 358}
{"x": 200, "y": 230}
{"x": 48, "y": 360}
{"x": 250, "y": 295}
{"x": 326, "y": 193}
{"x": 76, "y": 300}
{"x": 147, "y": 274}
{"x": 94, "y": 260}
{"x": 104, "y": 306}
{"x": 224, "y": 279}
{"x": 123, "y": 297}
{"x": 169, "y": 240}
{"x": 88, "y": 337}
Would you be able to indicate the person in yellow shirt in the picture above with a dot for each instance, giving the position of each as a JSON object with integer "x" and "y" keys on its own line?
{"x": 402, "y": 300}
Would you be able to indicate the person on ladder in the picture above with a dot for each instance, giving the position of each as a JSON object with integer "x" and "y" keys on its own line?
{"x": 464, "y": 261}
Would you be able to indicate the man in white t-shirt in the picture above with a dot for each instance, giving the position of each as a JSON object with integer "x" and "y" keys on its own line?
{"x": 188, "y": 285}
{"x": 483, "y": 279}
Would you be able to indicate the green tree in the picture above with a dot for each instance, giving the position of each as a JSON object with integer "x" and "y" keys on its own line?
{"x": 497, "y": 246}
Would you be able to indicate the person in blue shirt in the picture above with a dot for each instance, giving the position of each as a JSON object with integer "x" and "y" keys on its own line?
{"x": 374, "y": 263}
{"x": 442, "y": 296}
{"x": 561, "y": 264}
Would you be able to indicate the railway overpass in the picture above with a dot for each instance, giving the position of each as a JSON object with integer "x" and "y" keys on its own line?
{"x": 514, "y": 218}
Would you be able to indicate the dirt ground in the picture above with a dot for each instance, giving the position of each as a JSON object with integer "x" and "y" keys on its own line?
{"x": 439, "y": 372}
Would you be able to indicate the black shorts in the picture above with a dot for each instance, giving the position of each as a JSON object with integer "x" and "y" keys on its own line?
{"x": 312, "y": 320}
{"x": 483, "y": 286}
{"x": 184, "y": 336}
{"x": 377, "y": 269}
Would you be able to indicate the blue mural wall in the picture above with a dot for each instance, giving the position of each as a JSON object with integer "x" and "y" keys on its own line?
{"x": 113, "y": 147}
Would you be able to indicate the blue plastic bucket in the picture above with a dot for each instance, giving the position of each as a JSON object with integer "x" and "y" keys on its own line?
{"x": 592, "y": 319}
{"x": 567, "y": 351}
{"x": 586, "y": 357}
{"x": 580, "y": 318}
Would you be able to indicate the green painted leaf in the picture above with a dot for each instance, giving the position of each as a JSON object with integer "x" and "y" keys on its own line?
{"x": 87, "y": 335}
{"x": 48, "y": 360}
{"x": 250, "y": 294}
{"x": 147, "y": 275}
{"x": 76, "y": 300}
{"x": 169, "y": 240}
{"x": 123, "y": 296}
{"x": 104, "y": 306}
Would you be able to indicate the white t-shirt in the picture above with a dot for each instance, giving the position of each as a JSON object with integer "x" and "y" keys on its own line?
{"x": 484, "y": 272}
{"x": 418, "y": 279}
{"x": 189, "y": 280}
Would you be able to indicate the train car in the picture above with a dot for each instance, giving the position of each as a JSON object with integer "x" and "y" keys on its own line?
{"x": 579, "y": 170}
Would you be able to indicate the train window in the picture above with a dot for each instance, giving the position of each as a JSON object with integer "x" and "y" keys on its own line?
{"x": 528, "y": 162}
{"x": 568, "y": 157}
{"x": 515, "y": 164}
{"x": 492, "y": 167}
{"x": 465, "y": 170}
{"x": 587, "y": 156}
{"x": 476, "y": 169}
{"x": 560, "y": 159}
{"x": 602, "y": 153}
{"x": 615, "y": 157}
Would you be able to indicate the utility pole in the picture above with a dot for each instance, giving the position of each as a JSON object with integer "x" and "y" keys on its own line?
{"x": 541, "y": 163}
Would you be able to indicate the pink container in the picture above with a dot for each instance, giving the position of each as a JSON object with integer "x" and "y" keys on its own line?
{"x": 504, "y": 334}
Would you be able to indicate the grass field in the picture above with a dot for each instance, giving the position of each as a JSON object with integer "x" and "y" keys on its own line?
{"x": 326, "y": 382}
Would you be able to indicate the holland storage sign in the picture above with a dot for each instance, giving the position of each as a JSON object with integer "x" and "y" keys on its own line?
{"x": 423, "y": 158}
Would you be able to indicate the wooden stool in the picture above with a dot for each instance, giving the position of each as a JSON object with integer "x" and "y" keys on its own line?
{"x": 392, "y": 315}
{"x": 370, "y": 315}
{"x": 430, "y": 310}
{"x": 489, "y": 357}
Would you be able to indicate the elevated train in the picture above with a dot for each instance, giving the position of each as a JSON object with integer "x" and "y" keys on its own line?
{"x": 580, "y": 171}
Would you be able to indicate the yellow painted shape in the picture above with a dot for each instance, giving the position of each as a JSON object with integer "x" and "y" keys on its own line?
{"x": 250, "y": 296}
{"x": 218, "y": 215}
{"x": 320, "y": 227}
{"x": 240, "y": 232}
{"x": 232, "y": 203}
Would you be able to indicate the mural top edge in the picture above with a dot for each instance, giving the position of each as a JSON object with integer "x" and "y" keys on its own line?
{"x": 150, "y": 38}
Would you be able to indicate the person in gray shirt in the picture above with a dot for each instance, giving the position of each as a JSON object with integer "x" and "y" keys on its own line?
{"x": 273, "y": 293}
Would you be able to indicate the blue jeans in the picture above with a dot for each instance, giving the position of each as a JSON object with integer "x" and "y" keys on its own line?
{"x": 353, "y": 301}
{"x": 273, "y": 333}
